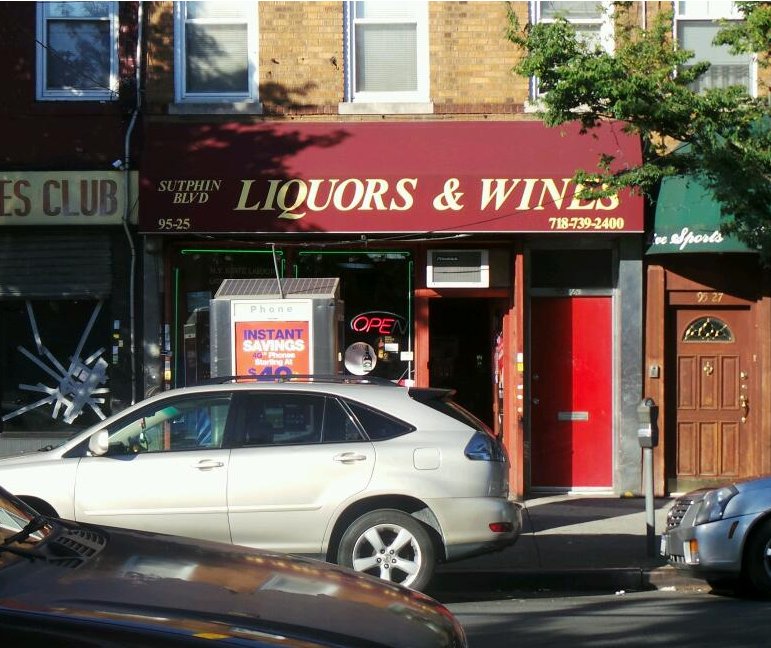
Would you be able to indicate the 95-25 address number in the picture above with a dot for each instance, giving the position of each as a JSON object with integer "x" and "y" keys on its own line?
{"x": 174, "y": 224}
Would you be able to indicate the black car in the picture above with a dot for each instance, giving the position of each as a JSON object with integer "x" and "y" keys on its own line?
{"x": 63, "y": 583}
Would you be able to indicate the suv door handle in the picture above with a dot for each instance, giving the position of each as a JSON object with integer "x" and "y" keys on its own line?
{"x": 208, "y": 464}
{"x": 349, "y": 457}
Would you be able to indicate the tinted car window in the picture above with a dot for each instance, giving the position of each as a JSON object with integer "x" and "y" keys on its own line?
{"x": 278, "y": 418}
{"x": 338, "y": 424}
{"x": 183, "y": 424}
{"x": 377, "y": 425}
{"x": 445, "y": 405}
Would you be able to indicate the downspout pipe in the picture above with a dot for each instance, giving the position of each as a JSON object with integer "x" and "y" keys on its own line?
{"x": 128, "y": 202}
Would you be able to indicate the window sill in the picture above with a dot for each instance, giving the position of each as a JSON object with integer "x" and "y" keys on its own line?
{"x": 216, "y": 108}
{"x": 534, "y": 106}
{"x": 386, "y": 108}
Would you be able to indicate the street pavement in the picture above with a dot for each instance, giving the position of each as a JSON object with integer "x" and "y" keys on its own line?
{"x": 594, "y": 542}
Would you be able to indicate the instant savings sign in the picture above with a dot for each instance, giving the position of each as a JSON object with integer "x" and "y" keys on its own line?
{"x": 272, "y": 337}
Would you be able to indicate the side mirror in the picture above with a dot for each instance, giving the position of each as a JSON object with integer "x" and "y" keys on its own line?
{"x": 99, "y": 443}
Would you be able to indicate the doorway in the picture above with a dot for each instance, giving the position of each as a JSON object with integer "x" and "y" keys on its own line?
{"x": 461, "y": 346}
{"x": 571, "y": 393}
{"x": 712, "y": 409}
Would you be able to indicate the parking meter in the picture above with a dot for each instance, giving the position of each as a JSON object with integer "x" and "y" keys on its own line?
{"x": 647, "y": 429}
{"x": 648, "y": 438}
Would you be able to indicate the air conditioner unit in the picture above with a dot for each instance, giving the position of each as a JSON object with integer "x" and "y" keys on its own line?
{"x": 458, "y": 269}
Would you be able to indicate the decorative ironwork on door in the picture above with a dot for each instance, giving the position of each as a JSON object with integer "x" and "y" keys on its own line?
{"x": 708, "y": 329}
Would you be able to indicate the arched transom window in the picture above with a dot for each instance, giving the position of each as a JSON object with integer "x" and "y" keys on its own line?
{"x": 708, "y": 329}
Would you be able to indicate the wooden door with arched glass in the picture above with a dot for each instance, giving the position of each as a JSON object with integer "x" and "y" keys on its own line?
{"x": 713, "y": 408}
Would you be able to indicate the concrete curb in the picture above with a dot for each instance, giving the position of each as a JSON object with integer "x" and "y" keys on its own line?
{"x": 492, "y": 584}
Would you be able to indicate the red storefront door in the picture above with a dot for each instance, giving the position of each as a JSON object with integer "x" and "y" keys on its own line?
{"x": 571, "y": 405}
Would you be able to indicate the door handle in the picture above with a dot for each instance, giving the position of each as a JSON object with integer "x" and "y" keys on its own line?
{"x": 208, "y": 464}
{"x": 744, "y": 403}
{"x": 349, "y": 457}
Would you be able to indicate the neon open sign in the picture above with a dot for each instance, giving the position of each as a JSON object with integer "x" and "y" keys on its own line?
{"x": 380, "y": 323}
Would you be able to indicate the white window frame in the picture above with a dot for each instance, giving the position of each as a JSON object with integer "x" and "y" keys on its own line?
{"x": 605, "y": 21}
{"x": 381, "y": 101}
{"x": 711, "y": 11}
{"x": 182, "y": 96}
{"x": 43, "y": 93}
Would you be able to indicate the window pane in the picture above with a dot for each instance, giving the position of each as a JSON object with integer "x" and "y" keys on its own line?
{"x": 708, "y": 329}
{"x": 376, "y": 290}
{"x": 707, "y": 9}
{"x": 221, "y": 11}
{"x": 338, "y": 425}
{"x": 78, "y": 9}
{"x": 78, "y": 55}
{"x": 59, "y": 324}
{"x": 574, "y": 10}
{"x": 727, "y": 69}
{"x": 387, "y": 11}
{"x": 217, "y": 58}
{"x": 189, "y": 424}
{"x": 386, "y": 58}
{"x": 698, "y": 36}
{"x": 377, "y": 425}
{"x": 279, "y": 419}
{"x": 589, "y": 34}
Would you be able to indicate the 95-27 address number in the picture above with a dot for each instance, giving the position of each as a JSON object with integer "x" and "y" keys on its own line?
{"x": 174, "y": 224}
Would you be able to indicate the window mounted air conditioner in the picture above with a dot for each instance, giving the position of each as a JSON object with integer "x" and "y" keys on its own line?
{"x": 458, "y": 269}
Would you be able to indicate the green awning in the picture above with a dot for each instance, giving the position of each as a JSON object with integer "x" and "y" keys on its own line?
{"x": 687, "y": 219}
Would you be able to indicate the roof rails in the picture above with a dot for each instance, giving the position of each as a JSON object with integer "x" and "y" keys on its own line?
{"x": 307, "y": 378}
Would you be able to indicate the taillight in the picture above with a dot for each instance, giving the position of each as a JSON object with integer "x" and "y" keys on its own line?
{"x": 501, "y": 527}
{"x": 483, "y": 447}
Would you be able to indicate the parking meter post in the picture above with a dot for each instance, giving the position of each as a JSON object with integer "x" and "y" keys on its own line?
{"x": 647, "y": 435}
{"x": 650, "y": 517}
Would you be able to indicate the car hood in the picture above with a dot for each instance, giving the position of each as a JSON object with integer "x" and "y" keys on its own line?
{"x": 742, "y": 485}
{"x": 160, "y": 579}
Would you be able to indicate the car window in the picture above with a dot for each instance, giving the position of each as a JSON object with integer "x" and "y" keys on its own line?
{"x": 183, "y": 424}
{"x": 339, "y": 427}
{"x": 377, "y": 425}
{"x": 279, "y": 418}
{"x": 452, "y": 409}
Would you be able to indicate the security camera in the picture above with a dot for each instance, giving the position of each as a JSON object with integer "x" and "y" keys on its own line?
{"x": 118, "y": 164}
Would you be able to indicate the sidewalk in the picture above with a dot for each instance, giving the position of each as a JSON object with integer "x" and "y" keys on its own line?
{"x": 575, "y": 543}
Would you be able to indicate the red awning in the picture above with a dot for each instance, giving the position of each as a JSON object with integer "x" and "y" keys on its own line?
{"x": 373, "y": 177}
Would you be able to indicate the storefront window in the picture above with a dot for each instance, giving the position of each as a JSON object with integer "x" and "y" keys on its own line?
{"x": 376, "y": 288}
{"x": 55, "y": 359}
{"x": 197, "y": 274}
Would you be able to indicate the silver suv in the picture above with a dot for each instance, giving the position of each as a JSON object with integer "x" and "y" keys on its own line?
{"x": 386, "y": 479}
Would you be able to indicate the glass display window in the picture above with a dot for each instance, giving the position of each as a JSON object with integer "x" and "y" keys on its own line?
{"x": 376, "y": 288}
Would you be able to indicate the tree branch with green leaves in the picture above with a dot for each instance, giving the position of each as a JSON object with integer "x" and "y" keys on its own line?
{"x": 722, "y": 136}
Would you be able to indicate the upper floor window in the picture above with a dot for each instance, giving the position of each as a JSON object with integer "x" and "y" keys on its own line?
{"x": 591, "y": 20}
{"x": 696, "y": 25}
{"x": 77, "y": 51}
{"x": 216, "y": 51}
{"x": 387, "y": 51}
